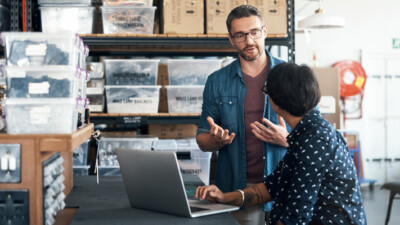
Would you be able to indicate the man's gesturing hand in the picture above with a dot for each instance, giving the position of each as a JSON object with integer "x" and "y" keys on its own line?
{"x": 275, "y": 134}
{"x": 222, "y": 136}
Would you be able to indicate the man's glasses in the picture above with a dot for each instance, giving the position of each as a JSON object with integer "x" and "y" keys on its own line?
{"x": 254, "y": 34}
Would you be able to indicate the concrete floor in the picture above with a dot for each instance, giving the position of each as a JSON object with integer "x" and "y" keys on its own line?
{"x": 376, "y": 203}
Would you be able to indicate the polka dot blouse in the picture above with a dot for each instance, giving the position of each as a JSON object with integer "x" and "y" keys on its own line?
{"x": 316, "y": 180}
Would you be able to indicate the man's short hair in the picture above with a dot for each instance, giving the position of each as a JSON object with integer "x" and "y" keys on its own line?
{"x": 243, "y": 11}
{"x": 293, "y": 88}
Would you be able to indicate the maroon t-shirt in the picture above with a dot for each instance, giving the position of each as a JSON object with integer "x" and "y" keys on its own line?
{"x": 253, "y": 111}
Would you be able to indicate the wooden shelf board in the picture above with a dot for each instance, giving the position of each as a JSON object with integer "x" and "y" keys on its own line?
{"x": 56, "y": 142}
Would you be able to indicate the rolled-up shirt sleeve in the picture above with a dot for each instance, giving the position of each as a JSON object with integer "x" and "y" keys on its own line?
{"x": 209, "y": 108}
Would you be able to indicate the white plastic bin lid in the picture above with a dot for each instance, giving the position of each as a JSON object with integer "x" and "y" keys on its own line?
{"x": 67, "y": 7}
{"x": 41, "y": 101}
{"x": 131, "y": 86}
{"x": 20, "y": 71}
{"x": 126, "y": 7}
{"x": 131, "y": 138}
{"x": 184, "y": 87}
{"x": 132, "y": 60}
{"x": 38, "y": 36}
{"x": 166, "y": 145}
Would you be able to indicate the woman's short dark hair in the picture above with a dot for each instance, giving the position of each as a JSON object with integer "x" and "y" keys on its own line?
{"x": 293, "y": 88}
{"x": 243, "y": 11}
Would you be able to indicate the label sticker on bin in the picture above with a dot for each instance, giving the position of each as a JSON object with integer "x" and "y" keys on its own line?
{"x": 39, "y": 115}
{"x": 36, "y": 50}
{"x": 39, "y": 88}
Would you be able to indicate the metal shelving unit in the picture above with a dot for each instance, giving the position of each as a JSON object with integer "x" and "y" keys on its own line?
{"x": 156, "y": 45}
{"x": 162, "y": 44}
{"x": 178, "y": 45}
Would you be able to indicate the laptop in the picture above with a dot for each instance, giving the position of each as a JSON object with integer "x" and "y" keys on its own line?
{"x": 154, "y": 182}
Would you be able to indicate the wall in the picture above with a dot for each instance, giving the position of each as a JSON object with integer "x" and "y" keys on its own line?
{"x": 370, "y": 27}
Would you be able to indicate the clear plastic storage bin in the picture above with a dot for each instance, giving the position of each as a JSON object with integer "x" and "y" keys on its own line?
{"x": 42, "y": 82}
{"x": 96, "y": 70}
{"x": 185, "y": 99}
{"x": 198, "y": 164}
{"x": 38, "y": 49}
{"x": 71, "y": 19}
{"x": 2, "y": 73}
{"x": 81, "y": 170}
{"x": 128, "y": 20}
{"x": 191, "y": 71}
{"x": 127, "y": 2}
{"x": 107, "y": 146}
{"x": 65, "y": 2}
{"x": 132, "y": 99}
{"x": 82, "y": 87}
{"x": 166, "y": 145}
{"x": 79, "y": 155}
{"x": 41, "y": 116}
{"x": 109, "y": 171}
{"x": 96, "y": 103}
{"x": 131, "y": 71}
{"x": 95, "y": 86}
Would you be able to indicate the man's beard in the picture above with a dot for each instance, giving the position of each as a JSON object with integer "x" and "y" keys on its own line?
{"x": 241, "y": 53}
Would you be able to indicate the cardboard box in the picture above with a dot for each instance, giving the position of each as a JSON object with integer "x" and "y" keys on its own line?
{"x": 216, "y": 13}
{"x": 173, "y": 131}
{"x": 118, "y": 134}
{"x": 328, "y": 79}
{"x": 183, "y": 17}
{"x": 351, "y": 140}
{"x": 275, "y": 15}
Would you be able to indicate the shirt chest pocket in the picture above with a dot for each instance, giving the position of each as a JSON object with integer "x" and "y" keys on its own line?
{"x": 228, "y": 108}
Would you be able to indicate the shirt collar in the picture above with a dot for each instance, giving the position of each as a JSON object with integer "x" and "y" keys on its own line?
{"x": 271, "y": 64}
{"x": 303, "y": 124}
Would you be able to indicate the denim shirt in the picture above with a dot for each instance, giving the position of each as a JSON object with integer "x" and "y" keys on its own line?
{"x": 223, "y": 100}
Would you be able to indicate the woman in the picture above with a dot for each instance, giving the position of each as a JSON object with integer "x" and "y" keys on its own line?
{"x": 316, "y": 181}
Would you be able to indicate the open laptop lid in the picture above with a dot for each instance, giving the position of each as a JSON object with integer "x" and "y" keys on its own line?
{"x": 152, "y": 181}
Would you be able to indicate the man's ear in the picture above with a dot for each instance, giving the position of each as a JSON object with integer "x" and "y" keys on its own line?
{"x": 265, "y": 30}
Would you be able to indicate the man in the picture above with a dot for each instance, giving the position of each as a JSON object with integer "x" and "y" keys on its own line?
{"x": 316, "y": 181}
{"x": 232, "y": 120}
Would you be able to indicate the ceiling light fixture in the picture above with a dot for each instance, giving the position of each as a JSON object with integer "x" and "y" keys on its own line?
{"x": 320, "y": 20}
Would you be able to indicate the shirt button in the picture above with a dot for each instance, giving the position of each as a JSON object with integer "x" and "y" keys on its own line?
{"x": 230, "y": 103}
{"x": 220, "y": 103}
{"x": 263, "y": 157}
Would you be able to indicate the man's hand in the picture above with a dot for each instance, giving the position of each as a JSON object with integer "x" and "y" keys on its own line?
{"x": 275, "y": 134}
{"x": 211, "y": 193}
{"x": 221, "y": 136}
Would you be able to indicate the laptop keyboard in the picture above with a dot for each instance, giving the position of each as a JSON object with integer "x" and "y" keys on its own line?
{"x": 196, "y": 209}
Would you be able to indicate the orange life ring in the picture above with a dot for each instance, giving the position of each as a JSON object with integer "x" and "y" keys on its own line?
{"x": 352, "y": 77}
